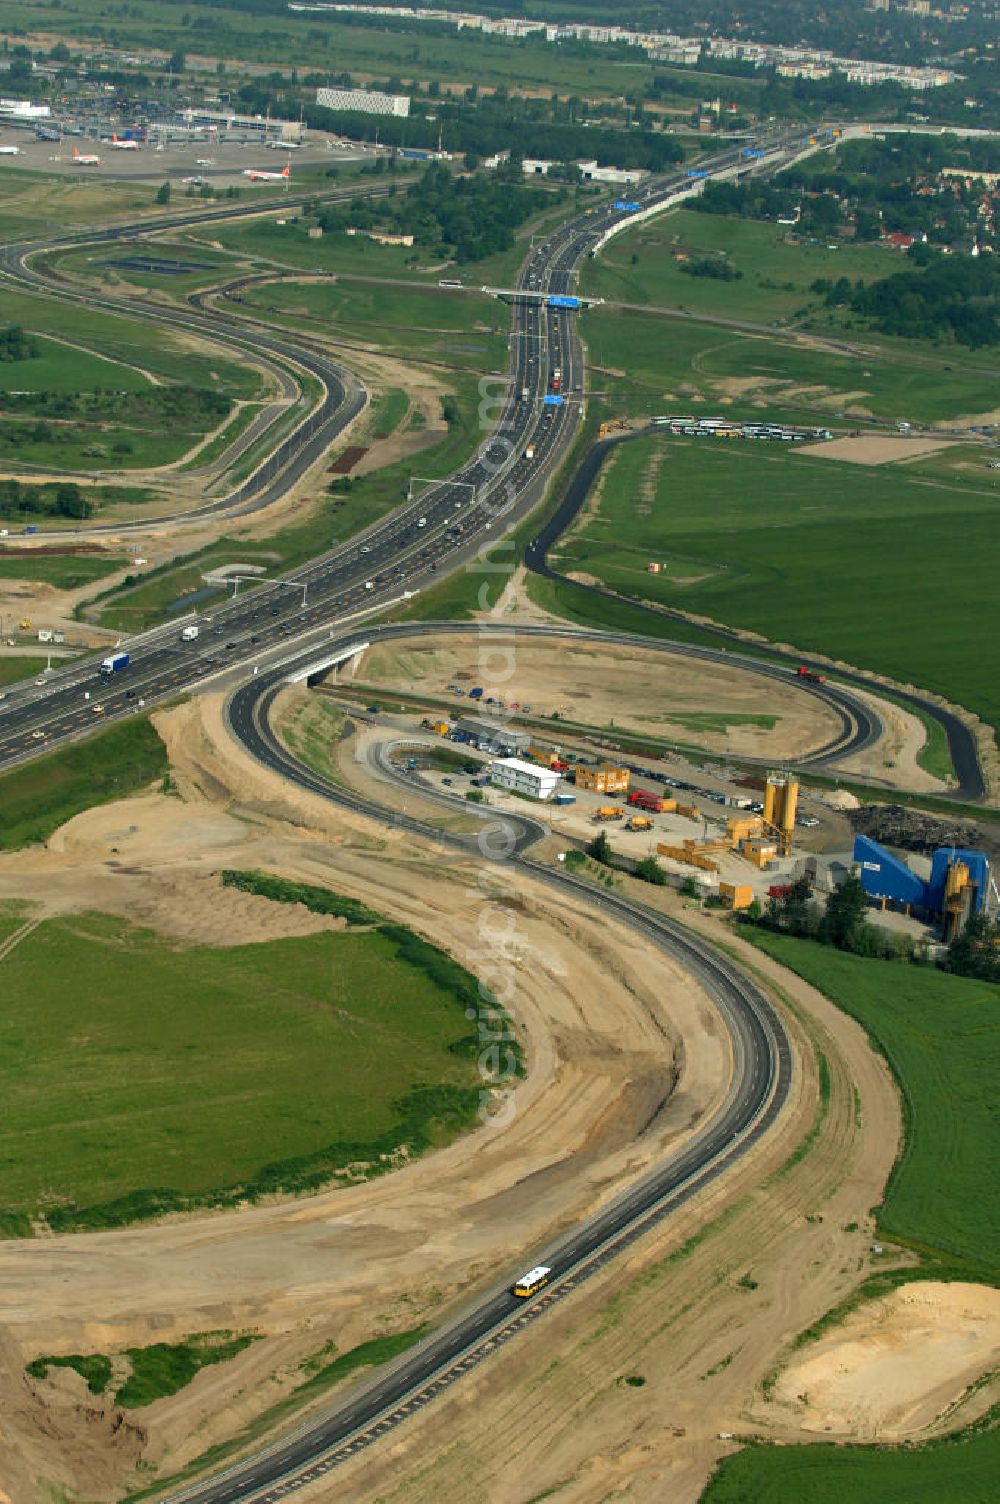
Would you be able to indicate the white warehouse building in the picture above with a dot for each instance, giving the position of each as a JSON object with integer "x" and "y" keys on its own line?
{"x": 367, "y": 101}
{"x": 523, "y": 778}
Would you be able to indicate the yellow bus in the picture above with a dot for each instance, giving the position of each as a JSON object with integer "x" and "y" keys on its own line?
{"x": 532, "y": 1282}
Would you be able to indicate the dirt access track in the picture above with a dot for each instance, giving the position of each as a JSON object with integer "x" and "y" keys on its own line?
{"x": 722, "y": 707}
{"x": 625, "y": 1055}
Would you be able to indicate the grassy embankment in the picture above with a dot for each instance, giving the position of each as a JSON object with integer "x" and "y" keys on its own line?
{"x": 154, "y": 1372}
{"x": 941, "y": 1038}
{"x": 42, "y": 795}
{"x": 324, "y": 1371}
{"x": 311, "y": 731}
{"x": 278, "y": 1066}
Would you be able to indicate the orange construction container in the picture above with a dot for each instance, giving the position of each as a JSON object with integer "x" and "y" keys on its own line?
{"x": 605, "y": 780}
{"x": 736, "y": 895}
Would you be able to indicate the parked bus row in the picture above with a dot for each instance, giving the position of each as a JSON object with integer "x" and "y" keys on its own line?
{"x": 726, "y": 428}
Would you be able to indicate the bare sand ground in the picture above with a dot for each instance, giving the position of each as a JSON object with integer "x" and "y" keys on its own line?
{"x": 895, "y": 1365}
{"x": 621, "y": 688}
{"x": 873, "y": 449}
{"x": 626, "y": 1056}
{"x": 893, "y": 760}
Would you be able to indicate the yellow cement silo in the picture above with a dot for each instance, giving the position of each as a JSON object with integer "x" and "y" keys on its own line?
{"x": 781, "y": 798}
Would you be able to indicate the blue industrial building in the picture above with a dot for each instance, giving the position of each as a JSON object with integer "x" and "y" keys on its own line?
{"x": 960, "y": 882}
{"x": 885, "y": 877}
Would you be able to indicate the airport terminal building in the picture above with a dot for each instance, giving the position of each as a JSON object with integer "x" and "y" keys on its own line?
{"x": 365, "y": 101}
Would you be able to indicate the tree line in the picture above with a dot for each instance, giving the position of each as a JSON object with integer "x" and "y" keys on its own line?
{"x": 190, "y": 406}
{"x": 63, "y": 500}
{"x": 843, "y": 923}
{"x": 465, "y": 218}
{"x": 936, "y": 297}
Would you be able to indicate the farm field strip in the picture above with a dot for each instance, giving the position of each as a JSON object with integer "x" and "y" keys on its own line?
{"x": 828, "y": 556}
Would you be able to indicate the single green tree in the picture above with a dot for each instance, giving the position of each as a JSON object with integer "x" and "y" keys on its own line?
{"x": 844, "y": 920}
{"x": 600, "y": 848}
{"x": 650, "y": 871}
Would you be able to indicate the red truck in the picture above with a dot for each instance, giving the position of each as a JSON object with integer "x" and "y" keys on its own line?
{"x": 643, "y": 799}
{"x": 808, "y": 673}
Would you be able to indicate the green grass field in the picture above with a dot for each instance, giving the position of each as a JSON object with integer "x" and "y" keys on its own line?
{"x": 62, "y": 368}
{"x": 127, "y": 341}
{"x": 776, "y": 276}
{"x": 326, "y": 45}
{"x": 40, "y": 796}
{"x": 86, "y": 353}
{"x": 455, "y": 329}
{"x": 661, "y": 364}
{"x": 139, "y": 1073}
{"x": 33, "y": 203}
{"x": 962, "y": 1471}
{"x": 64, "y": 571}
{"x": 14, "y": 668}
{"x": 941, "y": 1037}
{"x": 880, "y": 566}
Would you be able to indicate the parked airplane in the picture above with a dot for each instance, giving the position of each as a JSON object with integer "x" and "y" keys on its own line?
{"x": 256, "y": 176}
{"x": 10, "y": 151}
{"x": 127, "y": 145}
{"x": 85, "y": 160}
